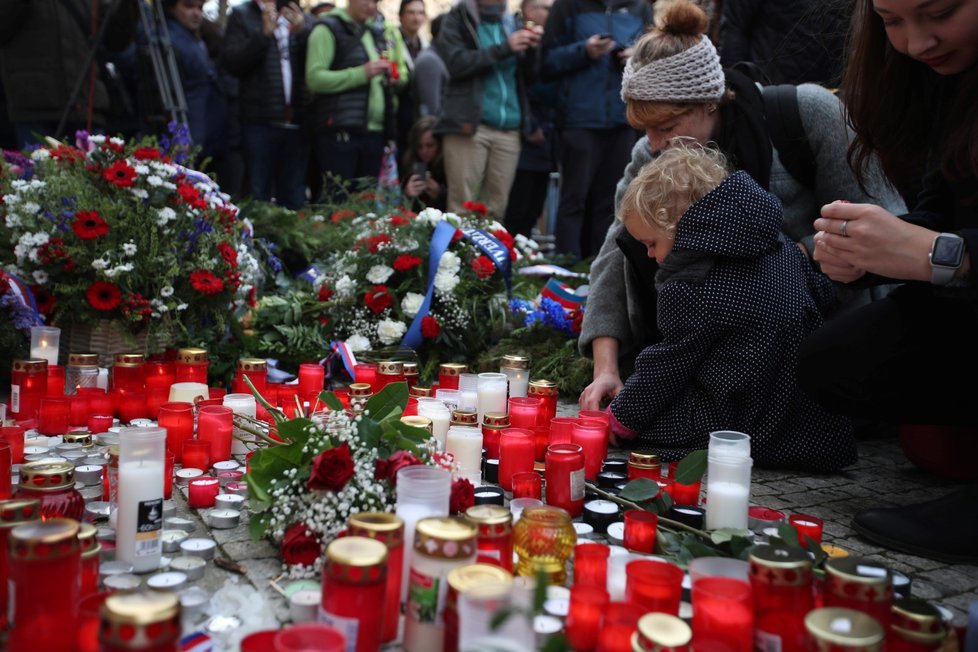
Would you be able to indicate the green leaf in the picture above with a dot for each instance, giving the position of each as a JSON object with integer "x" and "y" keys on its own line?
{"x": 722, "y": 535}
{"x": 540, "y": 591}
{"x": 691, "y": 468}
{"x": 789, "y": 535}
{"x": 257, "y": 527}
{"x": 740, "y": 547}
{"x": 393, "y": 396}
{"x": 500, "y": 617}
{"x": 331, "y": 401}
{"x": 413, "y": 435}
{"x": 816, "y": 549}
{"x": 370, "y": 433}
{"x": 639, "y": 490}
{"x": 698, "y": 549}
{"x": 257, "y": 493}
{"x": 664, "y": 503}
{"x": 556, "y": 643}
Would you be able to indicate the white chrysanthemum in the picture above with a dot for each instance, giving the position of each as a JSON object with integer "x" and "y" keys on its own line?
{"x": 40, "y": 154}
{"x": 165, "y": 215}
{"x": 139, "y": 193}
{"x": 154, "y": 181}
{"x": 445, "y": 281}
{"x": 13, "y": 220}
{"x": 166, "y": 291}
{"x": 379, "y": 274}
{"x": 390, "y": 331}
{"x": 181, "y": 307}
{"x": 31, "y": 208}
{"x": 99, "y": 263}
{"x": 129, "y": 248}
{"x": 433, "y": 215}
{"x": 115, "y": 140}
{"x": 449, "y": 263}
{"x": 345, "y": 287}
{"x": 40, "y": 276}
{"x": 140, "y": 168}
{"x": 98, "y": 139}
{"x": 358, "y": 343}
{"x": 411, "y": 304}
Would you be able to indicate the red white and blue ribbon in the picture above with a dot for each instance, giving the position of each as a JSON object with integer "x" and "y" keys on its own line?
{"x": 349, "y": 360}
{"x": 562, "y": 294}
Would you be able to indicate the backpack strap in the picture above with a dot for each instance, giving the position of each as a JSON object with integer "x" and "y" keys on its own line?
{"x": 787, "y": 132}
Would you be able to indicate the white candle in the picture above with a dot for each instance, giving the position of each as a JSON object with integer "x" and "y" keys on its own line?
{"x": 187, "y": 392}
{"x": 304, "y": 605}
{"x": 167, "y": 581}
{"x": 492, "y": 394}
{"x": 466, "y": 444}
{"x": 440, "y": 417}
{"x": 45, "y": 341}
{"x": 140, "y": 514}
{"x": 727, "y": 505}
{"x": 245, "y": 405}
{"x": 203, "y": 548}
{"x": 192, "y": 567}
{"x": 102, "y": 382}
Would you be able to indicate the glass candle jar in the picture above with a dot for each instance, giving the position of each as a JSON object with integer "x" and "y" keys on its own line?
{"x": 917, "y": 626}
{"x": 463, "y": 579}
{"x": 14, "y": 435}
{"x": 53, "y": 415}
{"x": 781, "y": 580}
{"x": 78, "y": 409}
{"x": 255, "y": 370}
{"x": 312, "y": 376}
{"x": 517, "y": 370}
{"x": 723, "y": 614}
{"x": 45, "y": 343}
{"x": 495, "y": 541}
{"x": 145, "y": 620}
{"x": 491, "y": 391}
{"x": 28, "y": 383}
{"x": 468, "y": 392}
{"x": 411, "y": 374}
{"x": 178, "y": 419}
{"x": 52, "y": 483}
{"x": 654, "y": 585}
{"x": 515, "y": 455}
{"x": 591, "y": 564}
{"x": 662, "y": 632}
{"x": 56, "y": 380}
{"x": 836, "y": 629}
{"x": 389, "y": 530}
{"x": 592, "y": 437}
{"x": 365, "y": 373}
{"x": 527, "y": 484}
{"x": 440, "y": 417}
{"x": 202, "y": 492}
{"x": 90, "y": 550}
{"x": 464, "y": 418}
{"x": 6, "y": 471}
{"x": 13, "y": 512}
{"x": 418, "y": 391}
{"x": 45, "y": 561}
{"x": 191, "y": 366}
{"x": 448, "y": 373}
{"x": 139, "y": 528}
{"x": 562, "y": 430}
{"x": 548, "y": 392}
{"x": 807, "y": 527}
{"x": 245, "y": 406}
{"x": 493, "y": 423}
{"x": 388, "y": 372}
{"x": 82, "y": 371}
{"x": 640, "y": 530}
{"x": 860, "y": 584}
{"x": 360, "y": 393}
{"x": 544, "y": 539}
{"x": 584, "y": 615}
{"x": 215, "y": 425}
{"x": 440, "y": 545}
{"x": 618, "y": 627}
{"x": 524, "y": 412}
{"x": 466, "y": 445}
{"x": 127, "y": 372}
{"x": 354, "y": 580}
{"x": 422, "y": 491}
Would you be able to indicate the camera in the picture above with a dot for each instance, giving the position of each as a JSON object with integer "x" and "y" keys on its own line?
{"x": 420, "y": 169}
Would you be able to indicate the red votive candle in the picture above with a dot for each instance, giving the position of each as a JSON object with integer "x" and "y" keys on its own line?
{"x": 78, "y": 410}
{"x": 654, "y": 585}
{"x": 620, "y": 623}
{"x": 565, "y": 477}
{"x": 527, "y": 484}
{"x": 169, "y": 460}
{"x": 255, "y": 370}
{"x": 28, "y": 383}
{"x": 640, "y": 527}
{"x": 309, "y": 637}
{"x": 389, "y": 530}
{"x": 592, "y": 437}
{"x": 665, "y": 486}
{"x": 354, "y": 583}
{"x": 591, "y": 565}
{"x": 495, "y": 541}
{"x": 597, "y": 415}
{"x": 366, "y": 372}
{"x": 196, "y": 454}
{"x": 202, "y": 492}
{"x": 127, "y": 372}
{"x": 14, "y": 435}
{"x": 217, "y": 394}
{"x": 524, "y": 411}
{"x": 214, "y": 425}
{"x": 686, "y": 494}
{"x": 515, "y": 455}
{"x": 45, "y": 562}
{"x": 13, "y": 512}
{"x": 448, "y": 374}
{"x": 562, "y": 430}
{"x": 89, "y": 619}
{"x": 261, "y": 641}
{"x": 541, "y": 439}
{"x": 584, "y": 614}
{"x": 56, "y": 380}
{"x": 53, "y": 415}
{"x": 90, "y": 550}
{"x": 807, "y": 526}
{"x": 723, "y": 615}
{"x": 311, "y": 380}
{"x": 178, "y": 419}
{"x": 99, "y": 423}
{"x": 99, "y": 401}
{"x": 493, "y": 424}
{"x": 781, "y": 584}
{"x": 6, "y": 461}
{"x": 131, "y": 405}
{"x": 190, "y": 366}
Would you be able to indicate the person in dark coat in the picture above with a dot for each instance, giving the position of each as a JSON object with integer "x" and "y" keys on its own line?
{"x": 735, "y": 300}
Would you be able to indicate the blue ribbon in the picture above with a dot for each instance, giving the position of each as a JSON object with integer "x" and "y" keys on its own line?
{"x": 495, "y": 250}
{"x": 309, "y": 274}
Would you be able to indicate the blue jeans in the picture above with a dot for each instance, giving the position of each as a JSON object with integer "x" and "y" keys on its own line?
{"x": 354, "y": 158}
{"x": 275, "y": 158}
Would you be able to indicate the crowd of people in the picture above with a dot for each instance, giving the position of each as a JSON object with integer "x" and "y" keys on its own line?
{"x": 763, "y": 274}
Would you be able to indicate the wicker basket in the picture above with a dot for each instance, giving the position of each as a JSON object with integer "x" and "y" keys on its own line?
{"x": 107, "y": 337}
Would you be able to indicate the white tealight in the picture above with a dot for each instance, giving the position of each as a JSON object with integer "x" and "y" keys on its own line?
{"x": 304, "y": 605}
{"x": 169, "y": 508}
{"x": 616, "y": 532}
{"x": 114, "y": 568}
{"x": 203, "y": 548}
{"x": 142, "y": 423}
{"x": 169, "y": 581}
{"x": 194, "y": 600}
{"x": 122, "y": 582}
{"x": 225, "y": 465}
{"x": 177, "y": 523}
{"x": 584, "y": 531}
{"x": 192, "y": 567}
{"x": 224, "y": 519}
{"x": 184, "y": 476}
{"x": 36, "y": 450}
{"x": 172, "y": 540}
{"x": 229, "y": 501}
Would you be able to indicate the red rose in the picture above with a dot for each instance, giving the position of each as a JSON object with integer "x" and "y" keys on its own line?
{"x": 342, "y": 214}
{"x": 325, "y": 292}
{"x": 300, "y": 545}
{"x": 103, "y": 295}
{"x": 387, "y": 469}
{"x": 375, "y": 242}
{"x": 399, "y": 220}
{"x": 331, "y": 469}
{"x": 430, "y": 328}
{"x": 206, "y": 282}
{"x": 146, "y": 154}
{"x": 504, "y": 236}
{"x": 476, "y": 207}
{"x": 462, "y": 496}
{"x": 577, "y": 321}
{"x": 483, "y": 267}
{"x": 378, "y": 299}
{"x": 458, "y": 236}
{"x": 120, "y": 173}
{"x": 228, "y": 253}
{"x": 404, "y": 262}
{"x": 89, "y": 225}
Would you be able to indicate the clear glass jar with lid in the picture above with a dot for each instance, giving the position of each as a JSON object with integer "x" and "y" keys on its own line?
{"x": 82, "y": 371}
{"x": 517, "y": 370}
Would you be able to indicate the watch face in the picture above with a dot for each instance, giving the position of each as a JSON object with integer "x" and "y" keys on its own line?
{"x": 948, "y": 251}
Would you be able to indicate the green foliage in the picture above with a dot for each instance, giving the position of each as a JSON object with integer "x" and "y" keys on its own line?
{"x": 552, "y": 356}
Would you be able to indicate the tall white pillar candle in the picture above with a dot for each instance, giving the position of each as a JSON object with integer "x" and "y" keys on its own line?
{"x": 492, "y": 394}
{"x": 440, "y": 417}
{"x": 139, "y": 518}
{"x": 465, "y": 444}
{"x": 245, "y": 405}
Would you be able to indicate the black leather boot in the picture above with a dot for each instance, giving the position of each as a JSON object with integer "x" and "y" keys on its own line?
{"x": 945, "y": 529}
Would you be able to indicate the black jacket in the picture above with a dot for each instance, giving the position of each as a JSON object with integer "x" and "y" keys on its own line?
{"x": 468, "y": 65}
{"x": 253, "y": 57}
{"x": 792, "y": 42}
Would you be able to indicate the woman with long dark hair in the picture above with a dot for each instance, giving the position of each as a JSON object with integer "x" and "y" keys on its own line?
{"x": 911, "y": 89}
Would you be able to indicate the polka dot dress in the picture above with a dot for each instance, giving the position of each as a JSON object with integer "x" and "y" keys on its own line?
{"x": 735, "y": 301}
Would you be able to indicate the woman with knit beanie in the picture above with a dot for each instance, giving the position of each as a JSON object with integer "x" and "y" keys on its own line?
{"x": 674, "y": 86}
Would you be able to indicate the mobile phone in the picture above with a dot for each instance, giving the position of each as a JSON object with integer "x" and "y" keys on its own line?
{"x": 420, "y": 169}
{"x": 279, "y": 4}
{"x": 606, "y": 36}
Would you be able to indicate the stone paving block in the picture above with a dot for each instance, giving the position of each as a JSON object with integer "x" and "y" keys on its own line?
{"x": 246, "y": 550}
{"x": 922, "y": 563}
{"x": 953, "y": 579}
{"x": 814, "y": 498}
{"x": 959, "y": 604}
{"x": 926, "y": 590}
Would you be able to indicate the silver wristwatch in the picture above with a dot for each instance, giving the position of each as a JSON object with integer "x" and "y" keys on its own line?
{"x": 946, "y": 256}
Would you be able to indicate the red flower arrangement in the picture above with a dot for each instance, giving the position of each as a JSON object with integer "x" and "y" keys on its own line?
{"x": 325, "y": 292}
{"x": 378, "y": 299}
{"x": 404, "y": 262}
{"x": 89, "y": 225}
{"x": 331, "y": 469}
{"x": 476, "y": 207}
{"x": 103, "y": 295}
{"x": 483, "y": 267}
{"x": 120, "y": 173}
{"x": 300, "y": 546}
{"x": 430, "y": 328}
{"x": 206, "y": 282}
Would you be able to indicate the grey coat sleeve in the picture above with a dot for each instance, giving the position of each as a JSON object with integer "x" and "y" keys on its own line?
{"x": 608, "y": 304}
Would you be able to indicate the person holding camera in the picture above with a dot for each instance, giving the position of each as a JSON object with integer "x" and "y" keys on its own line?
{"x": 422, "y": 168}
{"x": 585, "y": 46}
{"x": 350, "y": 68}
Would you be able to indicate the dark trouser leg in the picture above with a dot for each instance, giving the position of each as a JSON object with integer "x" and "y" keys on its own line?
{"x": 257, "y": 141}
{"x": 615, "y": 150}
{"x": 292, "y": 153}
{"x": 579, "y": 158}
{"x": 337, "y": 153}
{"x": 526, "y": 199}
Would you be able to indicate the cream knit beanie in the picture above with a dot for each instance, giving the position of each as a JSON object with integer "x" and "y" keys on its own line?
{"x": 693, "y": 75}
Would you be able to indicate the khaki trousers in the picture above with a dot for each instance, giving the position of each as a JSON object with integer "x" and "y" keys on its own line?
{"x": 481, "y": 165}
